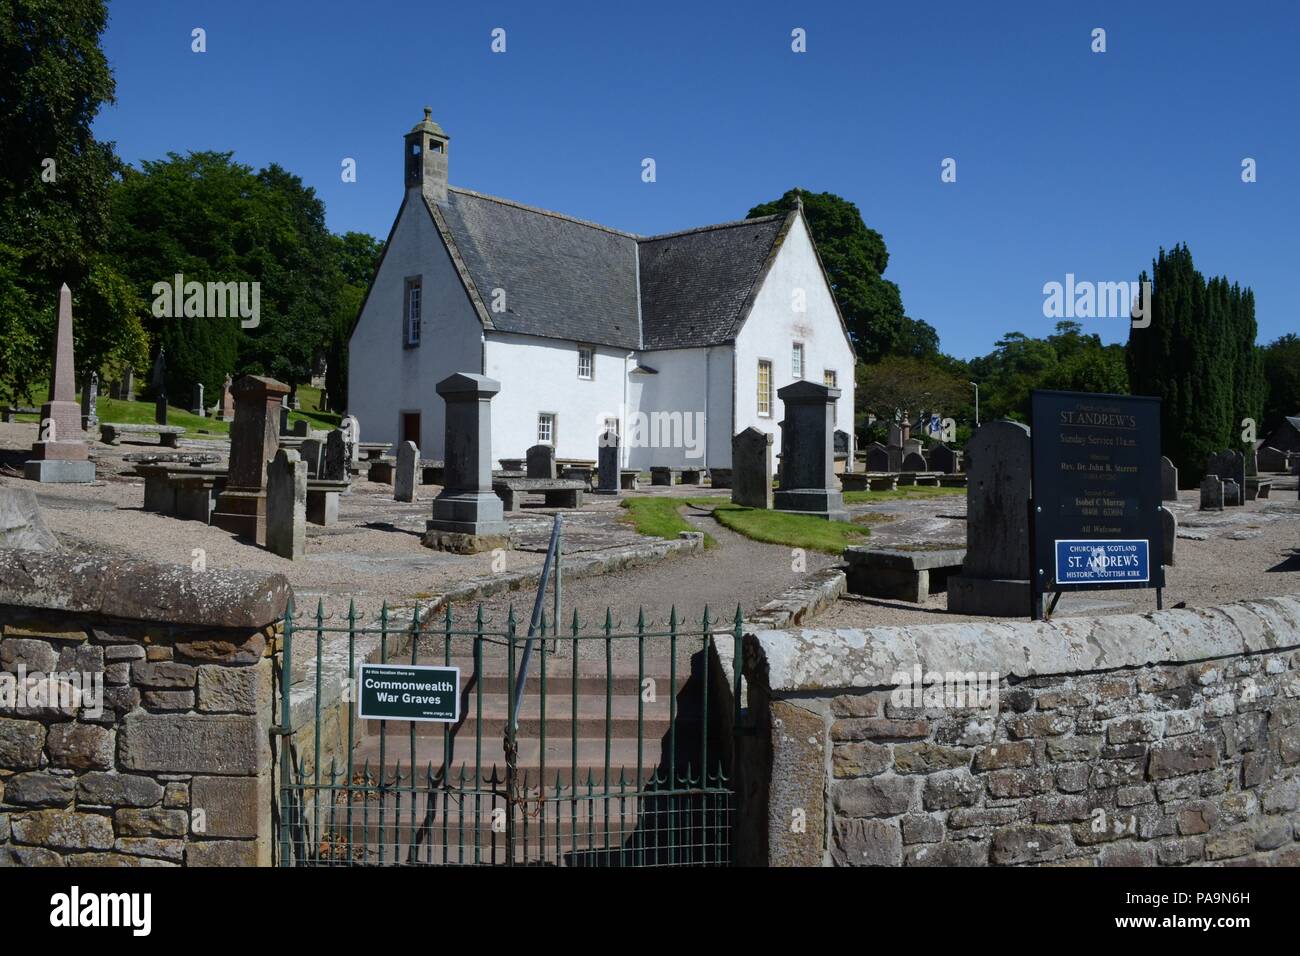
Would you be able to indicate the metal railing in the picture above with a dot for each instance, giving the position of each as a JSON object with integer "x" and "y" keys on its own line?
{"x": 611, "y": 753}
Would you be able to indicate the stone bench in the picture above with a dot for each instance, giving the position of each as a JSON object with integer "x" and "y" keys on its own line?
{"x": 578, "y": 473}
{"x": 628, "y": 479}
{"x": 511, "y": 464}
{"x": 952, "y": 481}
{"x": 558, "y": 492}
{"x": 431, "y": 471}
{"x": 110, "y": 433}
{"x": 901, "y": 573}
{"x": 381, "y": 470}
{"x": 1258, "y": 488}
{"x": 323, "y": 500}
{"x": 720, "y": 477}
{"x": 9, "y": 411}
{"x": 660, "y": 475}
{"x": 191, "y": 492}
{"x": 369, "y": 450}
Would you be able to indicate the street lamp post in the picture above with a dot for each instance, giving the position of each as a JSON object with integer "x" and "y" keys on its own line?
{"x": 976, "y": 386}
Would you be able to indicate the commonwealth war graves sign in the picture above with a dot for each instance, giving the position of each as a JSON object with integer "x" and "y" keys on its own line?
{"x": 408, "y": 692}
{"x": 1096, "y": 492}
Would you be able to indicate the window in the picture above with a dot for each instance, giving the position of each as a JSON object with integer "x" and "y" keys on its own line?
{"x": 796, "y": 360}
{"x": 412, "y": 306}
{"x": 829, "y": 379}
{"x": 546, "y": 428}
{"x": 584, "y": 364}
{"x": 764, "y": 388}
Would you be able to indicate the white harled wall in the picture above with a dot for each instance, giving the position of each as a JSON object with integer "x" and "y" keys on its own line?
{"x": 385, "y": 378}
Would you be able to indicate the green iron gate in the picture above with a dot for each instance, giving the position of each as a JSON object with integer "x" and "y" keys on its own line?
{"x": 584, "y": 747}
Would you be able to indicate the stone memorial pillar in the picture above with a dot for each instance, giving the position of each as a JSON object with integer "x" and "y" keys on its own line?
{"x": 286, "y": 505}
{"x": 994, "y": 577}
{"x": 607, "y": 464}
{"x": 59, "y": 454}
{"x": 808, "y": 483}
{"x": 226, "y": 407}
{"x": 196, "y": 402}
{"x": 751, "y": 469}
{"x": 254, "y": 440}
{"x": 407, "y": 475}
{"x": 90, "y": 402}
{"x": 467, "y": 516}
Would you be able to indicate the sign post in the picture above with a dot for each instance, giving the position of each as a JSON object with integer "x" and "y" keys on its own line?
{"x": 1095, "y": 512}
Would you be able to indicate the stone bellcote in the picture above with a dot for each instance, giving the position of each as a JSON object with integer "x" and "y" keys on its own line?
{"x": 425, "y": 158}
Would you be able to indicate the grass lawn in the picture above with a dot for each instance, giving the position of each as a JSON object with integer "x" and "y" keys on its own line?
{"x": 661, "y": 518}
{"x": 142, "y": 413}
{"x": 907, "y": 491}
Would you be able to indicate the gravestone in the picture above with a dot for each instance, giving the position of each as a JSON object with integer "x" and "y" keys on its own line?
{"x": 944, "y": 459}
{"x": 254, "y": 440}
{"x": 407, "y": 475}
{"x": 808, "y": 483}
{"x": 226, "y": 407}
{"x": 59, "y": 454}
{"x": 311, "y": 451}
{"x": 1229, "y": 465}
{"x": 540, "y": 462}
{"x": 284, "y": 419}
{"x": 1271, "y": 459}
{"x": 90, "y": 402}
{"x": 286, "y": 505}
{"x": 351, "y": 429}
{"x": 1232, "y": 493}
{"x": 914, "y": 461}
{"x": 896, "y": 436}
{"x": 607, "y": 464}
{"x": 877, "y": 457}
{"x": 1168, "y": 480}
{"x": 751, "y": 469}
{"x": 196, "y": 401}
{"x": 1169, "y": 527}
{"x": 301, "y": 428}
{"x": 994, "y": 579}
{"x": 467, "y": 515}
{"x": 334, "y": 464}
{"x": 1212, "y": 493}
{"x": 158, "y": 382}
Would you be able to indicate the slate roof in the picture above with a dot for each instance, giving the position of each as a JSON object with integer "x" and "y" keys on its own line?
{"x": 578, "y": 281}
{"x": 696, "y": 286}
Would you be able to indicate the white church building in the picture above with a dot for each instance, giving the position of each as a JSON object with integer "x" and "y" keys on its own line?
{"x": 676, "y": 341}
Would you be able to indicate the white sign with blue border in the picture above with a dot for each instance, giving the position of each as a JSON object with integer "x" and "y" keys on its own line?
{"x": 1102, "y": 562}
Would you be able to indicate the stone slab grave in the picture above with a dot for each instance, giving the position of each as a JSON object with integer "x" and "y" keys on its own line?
{"x": 1255, "y": 487}
{"x": 59, "y": 454}
{"x": 21, "y": 523}
{"x": 751, "y": 469}
{"x": 1229, "y": 465}
{"x": 904, "y": 573}
{"x": 467, "y": 515}
{"x": 995, "y": 574}
{"x": 1211, "y": 493}
{"x": 808, "y": 483}
{"x": 945, "y": 459}
{"x": 629, "y": 479}
{"x": 720, "y": 478}
{"x": 663, "y": 475}
{"x": 1168, "y": 480}
{"x": 877, "y": 458}
{"x": 110, "y": 433}
{"x": 541, "y": 480}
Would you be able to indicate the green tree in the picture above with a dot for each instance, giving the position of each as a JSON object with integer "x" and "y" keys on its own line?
{"x": 1281, "y": 360}
{"x": 356, "y": 257}
{"x": 1199, "y": 356}
{"x": 855, "y": 259}
{"x": 55, "y": 179}
{"x": 899, "y": 388}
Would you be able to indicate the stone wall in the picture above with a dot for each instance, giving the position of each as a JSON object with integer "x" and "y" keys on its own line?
{"x": 168, "y": 759}
{"x": 1163, "y": 739}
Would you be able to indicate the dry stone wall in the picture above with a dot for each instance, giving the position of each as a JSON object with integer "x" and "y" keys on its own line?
{"x": 165, "y": 758}
{"x": 1145, "y": 740}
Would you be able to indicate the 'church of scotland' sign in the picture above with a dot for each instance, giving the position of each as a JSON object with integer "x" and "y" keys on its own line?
{"x": 1096, "y": 492}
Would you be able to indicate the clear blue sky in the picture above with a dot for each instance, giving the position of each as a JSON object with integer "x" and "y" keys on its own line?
{"x": 1067, "y": 160}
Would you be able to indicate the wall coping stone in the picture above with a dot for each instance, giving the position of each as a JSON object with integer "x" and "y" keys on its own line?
{"x": 141, "y": 590}
{"x": 823, "y": 660}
